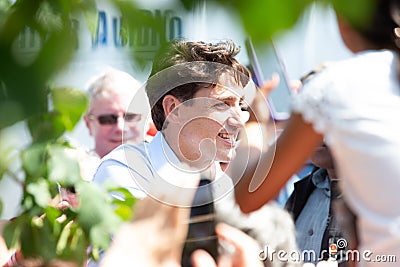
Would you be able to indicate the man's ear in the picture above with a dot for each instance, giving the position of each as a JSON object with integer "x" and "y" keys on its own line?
{"x": 170, "y": 104}
{"x": 87, "y": 122}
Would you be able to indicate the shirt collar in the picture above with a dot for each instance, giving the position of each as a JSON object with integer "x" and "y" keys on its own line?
{"x": 321, "y": 180}
{"x": 168, "y": 166}
{"x": 161, "y": 153}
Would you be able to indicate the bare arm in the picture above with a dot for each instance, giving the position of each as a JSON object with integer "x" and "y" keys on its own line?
{"x": 267, "y": 172}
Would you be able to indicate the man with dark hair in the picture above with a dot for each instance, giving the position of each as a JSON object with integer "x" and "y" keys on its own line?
{"x": 197, "y": 93}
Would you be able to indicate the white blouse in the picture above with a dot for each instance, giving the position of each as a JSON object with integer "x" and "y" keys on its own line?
{"x": 356, "y": 105}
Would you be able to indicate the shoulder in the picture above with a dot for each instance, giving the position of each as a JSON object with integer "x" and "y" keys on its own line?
{"x": 354, "y": 68}
{"x": 120, "y": 153}
{"x": 122, "y": 159}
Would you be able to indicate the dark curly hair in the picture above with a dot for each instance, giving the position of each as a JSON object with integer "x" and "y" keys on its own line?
{"x": 199, "y": 75}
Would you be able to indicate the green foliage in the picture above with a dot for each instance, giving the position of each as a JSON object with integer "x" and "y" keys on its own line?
{"x": 264, "y": 18}
{"x": 358, "y": 12}
{"x": 70, "y": 104}
{"x": 67, "y": 173}
{"x": 42, "y": 230}
{"x": 7, "y": 154}
{"x": 23, "y": 79}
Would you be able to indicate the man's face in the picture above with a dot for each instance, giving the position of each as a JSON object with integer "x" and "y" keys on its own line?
{"x": 210, "y": 124}
{"x": 107, "y": 125}
{"x": 322, "y": 157}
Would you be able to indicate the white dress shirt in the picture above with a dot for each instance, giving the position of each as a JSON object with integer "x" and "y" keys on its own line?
{"x": 153, "y": 168}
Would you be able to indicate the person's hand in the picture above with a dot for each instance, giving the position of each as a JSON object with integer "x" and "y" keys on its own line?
{"x": 259, "y": 112}
{"x": 155, "y": 238}
{"x": 246, "y": 250}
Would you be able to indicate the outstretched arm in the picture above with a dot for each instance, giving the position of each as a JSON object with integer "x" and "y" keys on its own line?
{"x": 267, "y": 172}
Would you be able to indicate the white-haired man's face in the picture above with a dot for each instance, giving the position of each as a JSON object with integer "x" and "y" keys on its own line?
{"x": 111, "y": 124}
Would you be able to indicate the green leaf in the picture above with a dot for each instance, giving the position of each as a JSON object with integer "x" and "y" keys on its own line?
{"x": 129, "y": 199}
{"x": 14, "y": 110}
{"x": 100, "y": 236}
{"x": 123, "y": 208}
{"x": 48, "y": 18}
{"x": 46, "y": 127}
{"x": 75, "y": 248}
{"x": 78, "y": 242}
{"x": 63, "y": 240}
{"x": 62, "y": 165}
{"x": 12, "y": 231}
{"x": 263, "y": 19}
{"x": 95, "y": 253}
{"x": 37, "y": 240}
{"x": 71, "y": 104}
{"x": 40, "y": 191}
{"x": 52, "y": 214}
{"x": 90, "y": 14}
{"x": 95, "y": 208}
{"x": 33, "y": 160}
{"x": 124, "y": 212}
{"x": 8, "y": 153}
{"x": 357, "y": 12}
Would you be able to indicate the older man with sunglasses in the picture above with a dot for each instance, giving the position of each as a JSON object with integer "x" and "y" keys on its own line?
{"x": 108, "y": 119}
{"x": 111, "y": 120}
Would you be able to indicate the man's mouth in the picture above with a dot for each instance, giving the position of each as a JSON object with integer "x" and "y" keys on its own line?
{"x": 227, "y": 137}
{"x": 224, "y": 135}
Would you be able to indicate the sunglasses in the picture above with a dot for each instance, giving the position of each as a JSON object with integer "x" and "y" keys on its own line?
{"x": 111, "y": 119}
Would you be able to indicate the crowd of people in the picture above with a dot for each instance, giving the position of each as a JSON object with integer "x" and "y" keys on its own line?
{"x": 214, "y": 133}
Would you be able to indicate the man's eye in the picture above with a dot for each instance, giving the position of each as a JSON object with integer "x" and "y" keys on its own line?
{"x": 220, "y": 105}
{"x": 244, "y": 107}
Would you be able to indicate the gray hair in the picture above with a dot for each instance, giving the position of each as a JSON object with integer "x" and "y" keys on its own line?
{"x": 111, "y": 81}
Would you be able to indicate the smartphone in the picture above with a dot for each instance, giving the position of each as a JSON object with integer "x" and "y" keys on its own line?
{"x": 264, "y": 61}
{"x": 201, "y": 233}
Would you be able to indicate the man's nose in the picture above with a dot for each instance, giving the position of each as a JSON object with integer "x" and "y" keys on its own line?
{"x": 238, "y": 117}
{"x": 120, "y": 122}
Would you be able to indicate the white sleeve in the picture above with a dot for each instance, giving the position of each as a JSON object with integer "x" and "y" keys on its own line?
{"x": 322, "y": 101}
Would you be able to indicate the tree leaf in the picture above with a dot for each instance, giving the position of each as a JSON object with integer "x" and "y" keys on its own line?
{"x": 95, "y": 208}
{"x": 33, "y": 160}
{"x": 76, "y": 245}
{"x": 8, "y": 154}
{"x": 357, "y": 12}
{"x": 46, "y": 127}
{"x": 37, "y": 240}
{"x": 129, "y": 199}
{"x": 12, "y": 231}
{"x": 63, "y": 240}
{"x": 100, "y": 236}
{"x": 62, "y": 165}
{"x": 124, "y": 212}
{"x": 40, "y": 191}
{"x": 71, "y": 104}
